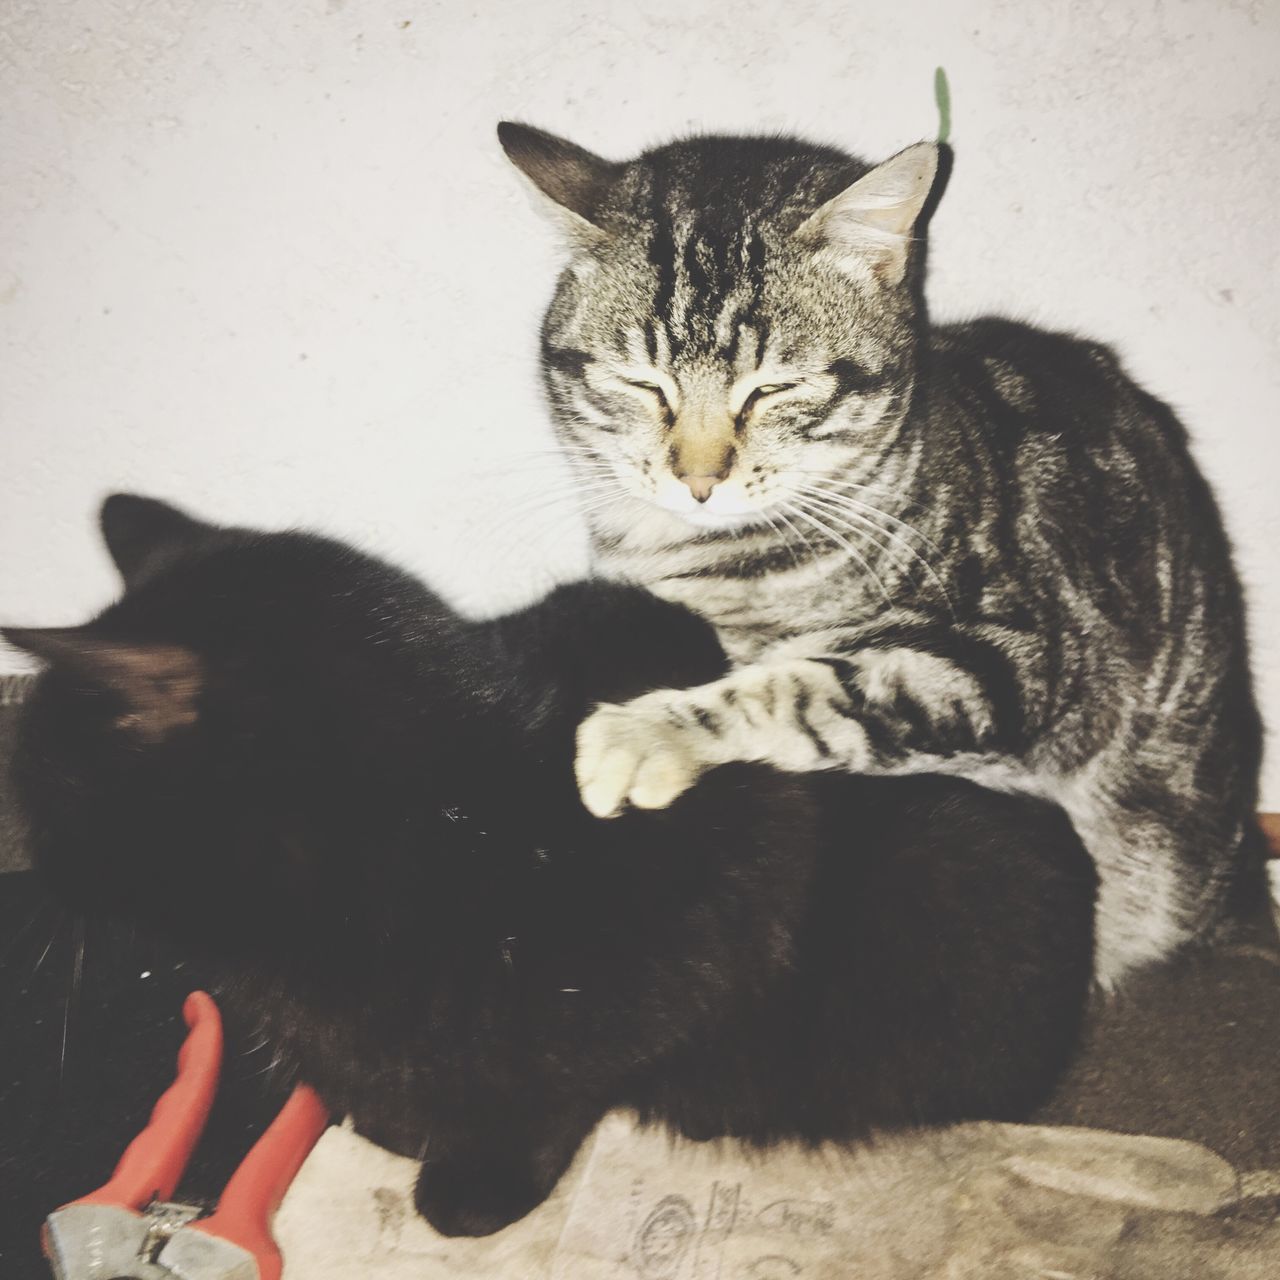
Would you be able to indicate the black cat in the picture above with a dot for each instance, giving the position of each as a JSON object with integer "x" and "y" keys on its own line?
{"x": 300, "y": 761}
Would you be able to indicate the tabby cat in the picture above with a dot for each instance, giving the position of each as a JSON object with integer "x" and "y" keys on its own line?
{"x": 360, "y": 808}
{"x": 978, "y": 549}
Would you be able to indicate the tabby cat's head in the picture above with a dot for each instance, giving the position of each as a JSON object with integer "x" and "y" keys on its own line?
{"x": 738, "y": 314}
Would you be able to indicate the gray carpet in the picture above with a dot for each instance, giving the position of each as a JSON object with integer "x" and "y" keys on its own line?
{"x": 1189, "y": 1051}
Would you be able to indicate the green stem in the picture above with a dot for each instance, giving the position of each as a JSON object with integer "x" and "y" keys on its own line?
{"x": 942, "y": 96}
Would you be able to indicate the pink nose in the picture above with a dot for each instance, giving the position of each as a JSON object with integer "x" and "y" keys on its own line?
{"x": 701, "y": 486}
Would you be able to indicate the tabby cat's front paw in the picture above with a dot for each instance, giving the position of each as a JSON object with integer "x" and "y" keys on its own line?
{"x": 635, "y": 754}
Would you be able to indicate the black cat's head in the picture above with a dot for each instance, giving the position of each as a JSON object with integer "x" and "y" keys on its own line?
{"x": 214, "y": 750}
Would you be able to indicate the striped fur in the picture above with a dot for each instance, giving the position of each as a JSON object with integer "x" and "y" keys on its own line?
{"x": 976, "y": 549}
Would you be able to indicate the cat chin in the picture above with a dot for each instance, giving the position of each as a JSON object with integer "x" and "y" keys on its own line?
{"x": 643, "y": 519}
{"x": 725, "y": 523}
{"x": 701, "y": 519}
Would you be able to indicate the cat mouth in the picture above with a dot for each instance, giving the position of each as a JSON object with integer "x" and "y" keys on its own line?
{"x": 701, "y": 517}
{"x": 717, "y": 520}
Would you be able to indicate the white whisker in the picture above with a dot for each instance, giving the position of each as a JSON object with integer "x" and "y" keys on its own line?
{"x": 874, "y": 510}
{"x": 783, "y": 537}
{"x": 565, "y": 501}
{"x": 73, "y": 993}
{"x": 825, "y": 476}
{"x": 801, "y": 510}
{"x": 813, "y": 553}
{"x": 842, "y": 515}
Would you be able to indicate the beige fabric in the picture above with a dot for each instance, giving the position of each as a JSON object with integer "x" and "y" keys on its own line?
{"x": 996, "y": 1202}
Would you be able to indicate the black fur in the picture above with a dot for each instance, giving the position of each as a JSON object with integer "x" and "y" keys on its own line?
{"x": 373, "y": 826}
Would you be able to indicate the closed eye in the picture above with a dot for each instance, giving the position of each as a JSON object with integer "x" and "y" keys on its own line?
{"x": 653, "y": 389}
{"x": 762, "y": 392}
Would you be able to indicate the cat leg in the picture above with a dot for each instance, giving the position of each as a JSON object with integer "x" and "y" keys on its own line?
{"x": 873, "y": 710}
{"x": 476, "y": 1181}
{"x": 478, "y": 1193}
{"x": 1165, "y": 864}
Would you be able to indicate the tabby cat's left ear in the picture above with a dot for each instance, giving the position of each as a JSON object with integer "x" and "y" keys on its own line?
{"x": 870, "y": 223}
{"x": 158, "y": 683}
{"x": 572, "y": 178}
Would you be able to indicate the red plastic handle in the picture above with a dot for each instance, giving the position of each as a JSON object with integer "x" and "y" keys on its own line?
{"x": 258, "y": 1185}
{"x": 153, "y": 1162}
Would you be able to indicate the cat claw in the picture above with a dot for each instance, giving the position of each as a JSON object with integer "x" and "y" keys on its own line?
{"x": 627, "y": 757}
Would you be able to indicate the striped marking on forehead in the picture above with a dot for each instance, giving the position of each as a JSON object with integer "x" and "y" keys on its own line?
{"x": 710, "y": 282}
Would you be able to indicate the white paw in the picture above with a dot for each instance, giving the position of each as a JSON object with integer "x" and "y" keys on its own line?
{"x": 636, "y": 755}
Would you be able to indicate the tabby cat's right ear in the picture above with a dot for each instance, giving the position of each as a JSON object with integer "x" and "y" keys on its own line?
{"x": 136, "y": 528}
{"x": 870, "y": 226}
{"x": 573, "y": 179}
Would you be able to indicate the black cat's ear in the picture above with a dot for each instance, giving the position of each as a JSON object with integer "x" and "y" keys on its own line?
{"x": 135, "y": 528}
{"x": 160, "y": 684}
{"x": 573, "y": 179}
{"x": 869, "y": 225}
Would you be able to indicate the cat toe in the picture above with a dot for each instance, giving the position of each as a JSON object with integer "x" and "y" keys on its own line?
{"x": 661, "y": 777}
{"x": 610, "y": 749}
{"x": 628, "y": 756}
{"x": 605, "y": 779}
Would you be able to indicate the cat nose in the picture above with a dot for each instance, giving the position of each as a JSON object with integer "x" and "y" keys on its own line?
{"x": 702, "y": 466}
{"x": 701, "y": 486}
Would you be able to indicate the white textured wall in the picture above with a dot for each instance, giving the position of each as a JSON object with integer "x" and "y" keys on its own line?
{"x": 265, "y": 257}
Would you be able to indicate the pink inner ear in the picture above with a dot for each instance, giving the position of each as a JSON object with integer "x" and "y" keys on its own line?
{"x": 161, "y": 684}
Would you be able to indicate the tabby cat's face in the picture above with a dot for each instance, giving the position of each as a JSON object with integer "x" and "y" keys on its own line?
{"x": 736, "y": 321}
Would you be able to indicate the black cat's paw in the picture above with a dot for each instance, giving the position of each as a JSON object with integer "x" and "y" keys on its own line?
{"x": 459, "y": 1198}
